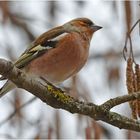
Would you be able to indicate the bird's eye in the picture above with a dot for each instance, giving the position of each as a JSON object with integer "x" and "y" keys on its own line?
{"x": 86, "y": 23}
{"x": 90, "y": 23}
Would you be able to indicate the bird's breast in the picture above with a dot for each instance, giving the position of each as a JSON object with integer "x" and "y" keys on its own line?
{"x": 65, "y": 60}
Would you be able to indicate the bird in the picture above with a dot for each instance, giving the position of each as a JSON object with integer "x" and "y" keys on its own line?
{"x": 57, "y": 54}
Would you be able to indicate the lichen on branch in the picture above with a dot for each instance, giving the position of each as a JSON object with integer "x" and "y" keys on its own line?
{"x": 57, "y": 98}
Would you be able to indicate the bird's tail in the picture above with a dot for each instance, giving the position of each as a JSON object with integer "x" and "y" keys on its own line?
{"x": 6, "y": 88}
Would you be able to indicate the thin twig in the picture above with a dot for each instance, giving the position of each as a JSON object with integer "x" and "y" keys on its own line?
{"x": 128, "y": 37}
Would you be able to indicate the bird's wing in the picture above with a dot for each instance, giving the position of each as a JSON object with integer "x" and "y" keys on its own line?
{"x": 33, "y": 53}
{"x": 40, "y": 45}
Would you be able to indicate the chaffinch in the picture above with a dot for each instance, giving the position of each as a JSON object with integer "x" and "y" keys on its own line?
{"x": 58, "y": 53}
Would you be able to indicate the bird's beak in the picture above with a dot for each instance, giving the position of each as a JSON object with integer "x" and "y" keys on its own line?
{"x": 96, "y": 27}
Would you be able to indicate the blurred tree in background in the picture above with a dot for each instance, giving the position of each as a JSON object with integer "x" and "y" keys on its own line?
{"x": 102, "y": 78}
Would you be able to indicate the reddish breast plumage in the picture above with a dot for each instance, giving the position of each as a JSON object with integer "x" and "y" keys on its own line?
{"x": 70, "y": 56}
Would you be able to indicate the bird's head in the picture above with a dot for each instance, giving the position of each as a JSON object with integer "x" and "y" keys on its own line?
{"x": 81, "y": 25}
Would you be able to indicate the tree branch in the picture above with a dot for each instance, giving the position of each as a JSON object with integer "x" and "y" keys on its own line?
{"x": 57, "y": 98}
{"x": 119, "y": 100}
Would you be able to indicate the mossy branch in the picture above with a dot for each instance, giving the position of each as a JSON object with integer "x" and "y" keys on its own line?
{"x": 57, "y": 98}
